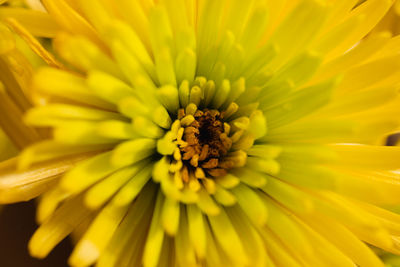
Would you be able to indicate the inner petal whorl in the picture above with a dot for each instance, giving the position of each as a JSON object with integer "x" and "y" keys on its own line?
{"x": 209, "y": 137}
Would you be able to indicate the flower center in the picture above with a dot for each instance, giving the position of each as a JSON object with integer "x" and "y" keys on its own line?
{"x": 209, "y": 138}
{"x": 205, "y": 143}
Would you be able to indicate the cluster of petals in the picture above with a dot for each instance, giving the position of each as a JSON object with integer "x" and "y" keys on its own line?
{"x": 203, "y": 132}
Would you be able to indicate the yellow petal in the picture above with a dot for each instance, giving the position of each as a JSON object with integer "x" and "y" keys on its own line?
{"x": 24, "y": 185}
{"x": 57, "y": 227}
{"x": 88, "y": 172}
{"x": 153, "y": 245}
{"x": 38, "y": 23}
{"x": 71, "y": 20}
{"x": 33, "y": 43}
{"x": 228, "y": 238}
{"x": 96, "y": 238}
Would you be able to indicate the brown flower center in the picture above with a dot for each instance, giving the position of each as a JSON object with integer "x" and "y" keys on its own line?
{"x": 206, "y": 144}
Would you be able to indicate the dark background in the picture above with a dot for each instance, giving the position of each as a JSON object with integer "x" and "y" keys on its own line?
{"x": 17, "y": 224}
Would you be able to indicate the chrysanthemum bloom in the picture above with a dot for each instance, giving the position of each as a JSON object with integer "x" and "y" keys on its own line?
{"x": 212, "y": 133}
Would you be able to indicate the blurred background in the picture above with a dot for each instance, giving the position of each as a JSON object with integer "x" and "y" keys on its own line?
{"x": 17, "y": 224}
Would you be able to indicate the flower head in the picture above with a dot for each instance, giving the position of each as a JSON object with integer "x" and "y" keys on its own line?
{"x": 212, "y": 133}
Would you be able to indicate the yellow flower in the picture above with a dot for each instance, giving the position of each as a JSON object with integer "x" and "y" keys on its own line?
{"x": 210, "y": 133}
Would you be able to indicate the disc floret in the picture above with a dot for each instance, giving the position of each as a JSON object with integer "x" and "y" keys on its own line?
{"x": 208, "y": 138}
